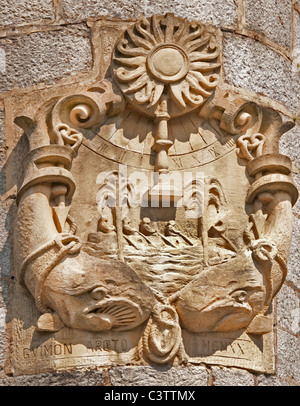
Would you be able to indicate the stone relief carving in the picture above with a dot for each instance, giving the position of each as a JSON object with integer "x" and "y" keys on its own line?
{"x": 155, "y": 202}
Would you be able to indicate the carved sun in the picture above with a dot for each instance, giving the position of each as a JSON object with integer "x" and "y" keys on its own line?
{"x": 167, "y": 55}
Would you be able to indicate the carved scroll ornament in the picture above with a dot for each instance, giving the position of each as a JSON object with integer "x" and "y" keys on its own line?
{"x": 209, "y": 260}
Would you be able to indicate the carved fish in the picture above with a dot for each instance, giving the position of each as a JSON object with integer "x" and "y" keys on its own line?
{"x": 224, "y": 297}
{"x": 93, "y": 294}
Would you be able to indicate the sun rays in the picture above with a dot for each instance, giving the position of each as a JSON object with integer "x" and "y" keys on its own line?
{"x": 167, "y": 55}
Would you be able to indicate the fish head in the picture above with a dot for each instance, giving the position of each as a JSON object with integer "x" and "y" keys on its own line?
{"x": 224, "y": 297}
{"x": 97, "y": 295}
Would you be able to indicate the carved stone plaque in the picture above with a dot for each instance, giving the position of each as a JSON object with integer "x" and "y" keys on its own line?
{"x": 154, "y": 213}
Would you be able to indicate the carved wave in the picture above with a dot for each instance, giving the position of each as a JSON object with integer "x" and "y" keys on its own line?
{"x": 169, "y": 271}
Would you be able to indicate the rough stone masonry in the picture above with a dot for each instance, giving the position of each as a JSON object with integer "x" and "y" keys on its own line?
{"x": 53, "y": 50}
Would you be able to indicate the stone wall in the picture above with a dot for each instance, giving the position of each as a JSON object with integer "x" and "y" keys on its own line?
{"x": 50, "y": 43}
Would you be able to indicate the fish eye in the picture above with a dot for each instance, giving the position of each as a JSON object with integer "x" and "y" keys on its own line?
{"x": 98, "y": 293}
{"x": 240, "y": 295}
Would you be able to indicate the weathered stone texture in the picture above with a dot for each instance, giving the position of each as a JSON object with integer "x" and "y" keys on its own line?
{"x": 218, "y": 12}
{"x": 5, "y": 251}
{"x": 290, "y": 145}
{"x": 270, "y": 75}
{"x": 2, "y": 133}
{"x": 296, "y": 29}
{"x": 45, "y": 57}
{"x": 288, "y": 361}
{"x": 25, "y": 11}
{"x": 288, "y": 310}
{"x": 269, "y": 380}
{"x": 2, "y": 61}
{"x": 2, "y": 173}
{"x": 4, "y": 242}
{"x": 296, "y": 39}
{"x": 293, "y": 275}
{"x": 3, "y": 339}
{"x": 271, "y": 18}
{"x": 5, "y": 255}
{"x": 76, "y": 378}
{"x": 150, "y": 376}
{"x": 231, "y": 377}
{"x": 48, "y": 55}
